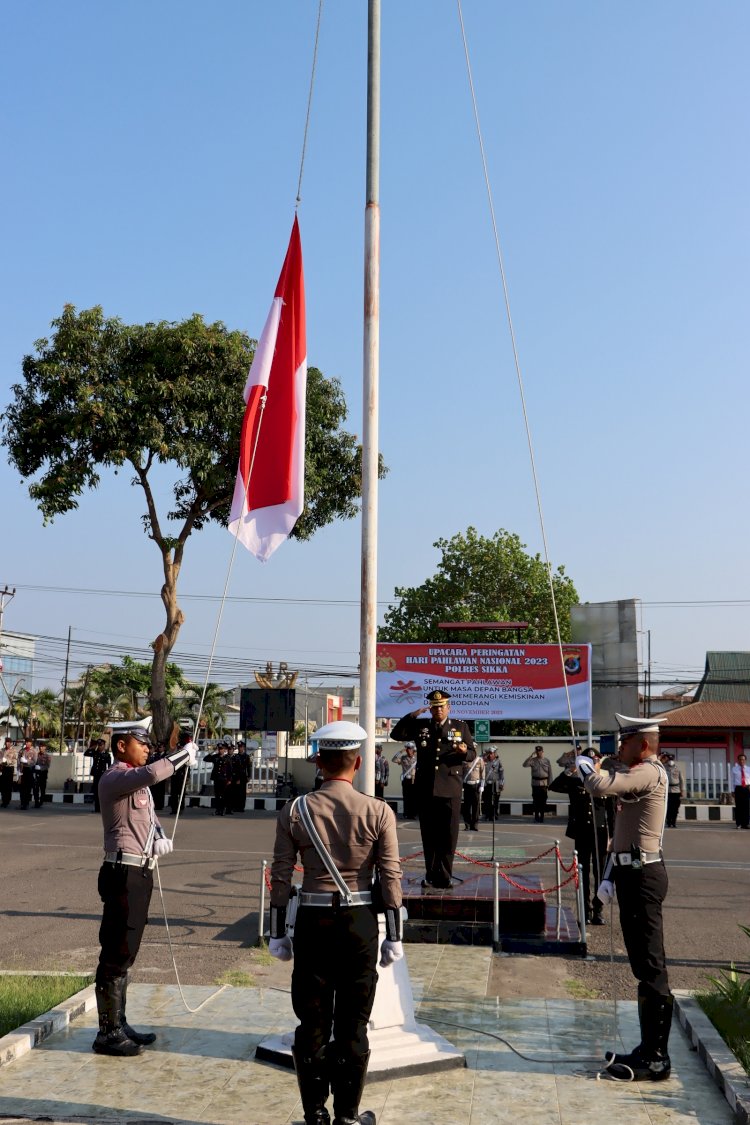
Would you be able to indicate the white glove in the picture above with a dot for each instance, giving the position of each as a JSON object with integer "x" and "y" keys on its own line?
{"x": 192, "y": 750}
{"x": 585, "y": 766}
{"x": 390, "y": 951}
{"x": 163, "y": 846}
{"x": 605, "y": 892}
{"x": 280, "y": 948}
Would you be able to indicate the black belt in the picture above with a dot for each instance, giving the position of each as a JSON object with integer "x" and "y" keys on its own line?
{"x": 627, "y": 859}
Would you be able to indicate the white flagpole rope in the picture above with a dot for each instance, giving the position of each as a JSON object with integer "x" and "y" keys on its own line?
{"x": 519, "y": 377}
{"x": 309, "y": 106}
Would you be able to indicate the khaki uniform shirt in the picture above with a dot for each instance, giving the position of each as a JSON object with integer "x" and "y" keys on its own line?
{"x": 541, "y": 770}
{"x": 9, "y": 757}
{"x": 27, "y": 758}
{"x": 474, "y": 772}
{"x": 642, "y": 804}
{"x": 358, "y": 831}
{"x": 127, "y": 806}
{"x": 43, "y": 760}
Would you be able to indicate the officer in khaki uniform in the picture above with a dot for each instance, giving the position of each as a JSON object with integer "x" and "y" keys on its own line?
{"x": 26, "y": 763}
{"x": 335, "y": 943}
{"x": 8, "y": 765}
{"x": 133, "y": 840}
{"x": 636, "y": 866}
{"x": 443, "y": 746}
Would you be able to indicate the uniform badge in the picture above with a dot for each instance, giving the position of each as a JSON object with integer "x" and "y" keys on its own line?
{"x": 636, "y": 864}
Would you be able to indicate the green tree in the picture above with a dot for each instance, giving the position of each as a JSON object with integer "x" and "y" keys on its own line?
{"x": 213, "y": 712}
{"x": 484, "y": 579}
{"x": 102, "y": 395}
{"x": 40, "y": 712}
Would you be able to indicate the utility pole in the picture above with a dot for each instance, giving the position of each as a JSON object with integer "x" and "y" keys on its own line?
{"x": 6, "y": 595}
{"x": 370, "y": 388}
{"x": 65, "y": 691}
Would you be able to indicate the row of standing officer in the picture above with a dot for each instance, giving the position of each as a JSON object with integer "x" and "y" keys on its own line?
{"x": 31, "y": 765}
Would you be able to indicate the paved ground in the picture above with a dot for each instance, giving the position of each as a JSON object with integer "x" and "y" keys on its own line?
{"x": 202, "y": 1068}
{"x": 50, "y": 909}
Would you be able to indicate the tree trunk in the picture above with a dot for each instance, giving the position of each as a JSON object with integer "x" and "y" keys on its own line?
{"x": 162, "y": 646}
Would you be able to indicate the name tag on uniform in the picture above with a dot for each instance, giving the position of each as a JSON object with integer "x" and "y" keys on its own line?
{"x": 140, "y": 799}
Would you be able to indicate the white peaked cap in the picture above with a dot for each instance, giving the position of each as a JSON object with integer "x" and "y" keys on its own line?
{"x": 341, "y": 735}
{"x": 629, "y": 725}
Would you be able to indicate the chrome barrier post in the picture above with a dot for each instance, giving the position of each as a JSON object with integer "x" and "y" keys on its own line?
{"x": 580, "y": 903}
{"x": 558, "y": 891}
{"x": 262, "y": 903}
{"x": 496, "y": 909}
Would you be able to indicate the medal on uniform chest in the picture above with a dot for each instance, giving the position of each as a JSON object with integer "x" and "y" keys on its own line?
{"x": 423, "y": 737}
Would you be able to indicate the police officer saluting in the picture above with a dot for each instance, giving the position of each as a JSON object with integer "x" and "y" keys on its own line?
{"x": 637, "y": 867}
{"x": 133, "y": 839}
{"x": 443, "y": 746}
{"x": 336, "y": 929}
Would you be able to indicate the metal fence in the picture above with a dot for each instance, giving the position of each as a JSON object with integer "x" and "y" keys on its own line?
{"x": 707, "y": 781}
{"x": 262, "y": 776}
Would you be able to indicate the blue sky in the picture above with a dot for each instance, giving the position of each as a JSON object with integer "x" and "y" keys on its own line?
{"x": 152, "y": 154}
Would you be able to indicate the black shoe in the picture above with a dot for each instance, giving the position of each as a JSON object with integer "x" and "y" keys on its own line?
{"x": 347, "y": 1083}
{"x": 313, "y": 1082}
{"x": 636, "y": 1068}
{"x": 144, "y": 1039}
{"x": 597, "y": 920}
{"x": 473, "y": 829}
{"x": 112, "y": 1038}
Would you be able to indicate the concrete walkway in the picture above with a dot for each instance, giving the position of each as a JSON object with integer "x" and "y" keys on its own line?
{"x": 202, "y": 1069}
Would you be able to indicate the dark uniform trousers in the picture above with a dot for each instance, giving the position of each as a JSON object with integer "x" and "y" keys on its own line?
{"x": 539, "y": 800}
{"x": 126, "y": 894}
{"x": 471, "y": 805}
{"x": 39, "y": 785}
{"x": 438, "y": 823}
{"x": 410, "y": 801}
{"x": 640, "y": 894}
{"x": 742, "y": 805}
{"x": 26, "y": 786}
{"x": 334, "y": 978}
{"x": 592, "y": 854}
{"x": 6, "y": 784}
{"x": 175, "y": 789}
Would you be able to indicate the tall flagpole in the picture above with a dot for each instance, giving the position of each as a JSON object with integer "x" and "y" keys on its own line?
{"x": 371, "y": 368}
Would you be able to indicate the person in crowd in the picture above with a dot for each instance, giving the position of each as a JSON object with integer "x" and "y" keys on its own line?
{"x": 406, "y": 759}
{"x": 587, "y": 828}
{"x": 26, "y": 763}
{"x": 473, "y": 787}
{"x": 8, "y": 767}
{"x": 178, "y": 786}
{"x": 494, "y": 783}
{"x": 443, "y": 745}
{"x": 335, "y": 945}
{"x": 101, "y": 760}
{"x": 741, "y": 783}
{"x": 41, "y": 773}
{"x": 636, "y": 864}
{"x": 133, "y": 841}
{"x": 541, "y": 775}
{"x": 159, "y": 790}
{"x": 241, "y": 772}
{"x": 382, "y": 772}
{"x": 676, "y": 787}
{"x": 221, "y": 777}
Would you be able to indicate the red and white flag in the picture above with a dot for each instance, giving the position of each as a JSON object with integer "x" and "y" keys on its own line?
{"x": 269, "y": 490}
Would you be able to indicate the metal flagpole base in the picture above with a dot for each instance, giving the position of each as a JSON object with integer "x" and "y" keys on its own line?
{"x": 399, "y": 1046}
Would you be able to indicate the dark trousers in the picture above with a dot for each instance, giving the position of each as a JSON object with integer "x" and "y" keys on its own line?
{"x": 471, "y": 805}
{"x": 221, "y": 793}
{"x": 334, "y": 978}
{"x": 95, "y": 786}
{"x": 592, "y": 854}
{"x": 539, "y": 800}
{"x": 410, "y": 799}
{"x": 175, "y": 788}
{"x": 491, "y": 801}
{"x": 674, "y": 800}
{"x": 640, "y": 894}
{"x": 27, "y": 782}
{"x": 6, "y": 784}
{"x": 159, "y": 792}
{"x": 239, "y": 795}
{"x": 380, "y": 790}
{"x": 438, "y": 824}
{"x": 39, "y": 786}
{"x": 742, "y": 805}
{"x": 126, "y": 894}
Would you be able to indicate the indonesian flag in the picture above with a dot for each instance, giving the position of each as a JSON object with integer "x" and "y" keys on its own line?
{"x": 269, "y": 490}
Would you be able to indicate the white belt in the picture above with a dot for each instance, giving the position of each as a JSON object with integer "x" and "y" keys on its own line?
{"x": 626, "y": 859}
{"x": 313, "y": 898}
{"x": 129, "y": 860}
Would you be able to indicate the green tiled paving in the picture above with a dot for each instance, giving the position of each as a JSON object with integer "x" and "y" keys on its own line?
{"x": 203, "y": 1069}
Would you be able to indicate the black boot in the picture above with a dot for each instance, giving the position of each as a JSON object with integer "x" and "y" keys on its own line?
{"x": 137, "y": 1037}
{"x": 650, "y": 1060}
{"x": 347, "y": 1082}
{"x": 312, "y": 1079}
{"x": 112, "y": 1039}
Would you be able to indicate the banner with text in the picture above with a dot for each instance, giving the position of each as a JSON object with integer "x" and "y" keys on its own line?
{"x": 486, "y": 681}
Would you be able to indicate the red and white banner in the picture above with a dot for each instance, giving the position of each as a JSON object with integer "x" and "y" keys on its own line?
{"x": 486, "y": 681}
{"x": 269, "y": 490}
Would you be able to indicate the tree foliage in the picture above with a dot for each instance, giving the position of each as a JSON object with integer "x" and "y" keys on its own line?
{"x": 101, "y": 395}
{"x": 482, "y": 579}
